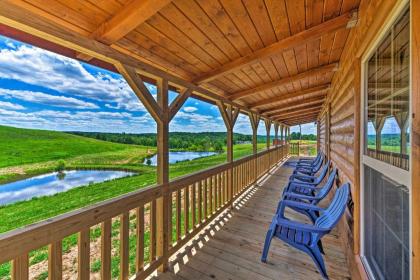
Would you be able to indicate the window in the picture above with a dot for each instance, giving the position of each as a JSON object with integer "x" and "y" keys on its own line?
{"x": 387, "y": 97}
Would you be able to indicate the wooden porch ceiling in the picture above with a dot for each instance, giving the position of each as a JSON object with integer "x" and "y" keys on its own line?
{"x": 259, "y": 55}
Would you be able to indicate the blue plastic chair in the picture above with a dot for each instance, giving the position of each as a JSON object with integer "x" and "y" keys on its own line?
{"x": 308, "y": 170}
{"x": 309, "y": 194}
{"x": 309, "y": 161}
{"x": 303, "y": 179}
{"x": 306, "y": 237}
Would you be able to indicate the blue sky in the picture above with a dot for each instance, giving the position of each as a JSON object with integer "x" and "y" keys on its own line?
{"x": 42, "y": 90}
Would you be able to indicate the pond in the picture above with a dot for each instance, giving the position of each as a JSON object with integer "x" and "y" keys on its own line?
{"x": 181, "y": 156}
{"x": 52, "y": 183}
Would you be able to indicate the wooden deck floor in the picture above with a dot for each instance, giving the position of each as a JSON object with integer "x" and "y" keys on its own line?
{"x": 231, "y": 247}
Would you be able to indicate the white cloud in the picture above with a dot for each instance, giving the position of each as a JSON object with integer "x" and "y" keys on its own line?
{"x": 190, "y": 109}
{"x": 43, "y": 68}
{"x": 8, "y": 105}
{"x": 79, "y": 120}
{"x": 47, "y": 99}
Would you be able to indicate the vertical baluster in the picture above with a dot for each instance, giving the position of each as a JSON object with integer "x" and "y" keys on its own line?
{"x": 200, "y": 201}
{"x": 170, "y": 215}
{"x": 222, "y": 187}
{"x": 140, "y": 238}
{"x": 152, "y": 231}
{"x": 20, "y": 268}
{"x": 219, "y": 198}
{"x": 84, "y": 254}
{"x": 211, "y": 195}
{"x": 216, "y": 191}
{"x": 124, "y": 245}
{"x": 193, "y": 204}
{"x": 178, "y": 215}
{"x": 106, "y": 228}
{"x": 205, "y": 198}
{"x": 55, "y": 261}
{"x": 186, "y": 209}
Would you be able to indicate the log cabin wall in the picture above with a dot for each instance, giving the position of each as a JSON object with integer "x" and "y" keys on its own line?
{"x": 344, "y": 131}
{"x": 322, "y": 132}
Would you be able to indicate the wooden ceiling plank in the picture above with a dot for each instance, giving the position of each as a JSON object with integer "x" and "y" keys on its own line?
{"x": 293, "y": 105}
{"x": 303, "y": 37}
{"x": 299, "y": 112}
{"x": 283, "y": 97}
{"x": 312, "y": 72}
{"x": 303, "y": 106}
{"x": 127, "y": 19}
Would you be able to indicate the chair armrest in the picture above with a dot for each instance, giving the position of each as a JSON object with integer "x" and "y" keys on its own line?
{"x": 302, "y": 177}
{"x": 301, "y": 205}
{"x": 300, "y": 226}
{"x": 310, "y": 198}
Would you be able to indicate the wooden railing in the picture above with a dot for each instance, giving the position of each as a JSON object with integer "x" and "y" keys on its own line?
{"x": 396, "y": 159}
{"x": 294, "y": 148}
{"x": 130, "y": 221}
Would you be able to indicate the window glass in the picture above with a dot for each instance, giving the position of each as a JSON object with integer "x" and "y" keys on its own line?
{"x": 387, "y": 97}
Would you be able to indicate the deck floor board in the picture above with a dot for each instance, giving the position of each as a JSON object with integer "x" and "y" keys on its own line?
{"x": 230, "y": 248}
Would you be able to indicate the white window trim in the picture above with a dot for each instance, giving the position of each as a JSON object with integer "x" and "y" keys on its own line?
{"x": 371, "y": 162}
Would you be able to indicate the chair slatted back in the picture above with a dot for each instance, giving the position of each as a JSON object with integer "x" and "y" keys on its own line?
{"x": 330, "y": 217}
{"x": 327, "y": 186}
{"x": 323, "y": 173}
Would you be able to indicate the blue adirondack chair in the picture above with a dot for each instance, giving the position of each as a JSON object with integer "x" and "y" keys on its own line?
{"x": 304, "y": 179}
{"x": 309, "y": 194}
{"x": 309, "y": 161}
{"x": 305, "y": 237}
{"x": 308, "y": 170}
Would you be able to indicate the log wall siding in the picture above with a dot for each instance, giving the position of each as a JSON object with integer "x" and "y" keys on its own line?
{"x": 322, "y": 132}
{"x": 344, "y": 125}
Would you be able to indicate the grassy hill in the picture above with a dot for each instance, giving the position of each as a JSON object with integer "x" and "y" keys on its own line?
{"x": 21, "y": 146}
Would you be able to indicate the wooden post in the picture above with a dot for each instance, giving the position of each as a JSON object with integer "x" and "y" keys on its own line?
{"x": 356, "y": 156}
{"x": 402, "y": 121}
{"x": 276, "y": 133}
{"x": 318, "y": 142}
{"x": 281, "y": 133}
{"x": 415, "y": 136}
{"x": 163, "y": 113}
{"x": 255, "y": 121}
{"x": 379, "y": 124}
{"x": 229, "y": 115}
{"x": 162, "y": 203}
{"x": 267, "y": 129}
{"x": 328, "y": 130}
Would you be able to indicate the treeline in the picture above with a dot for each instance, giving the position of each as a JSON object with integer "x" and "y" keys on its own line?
{"x": 186, "y": 141}
{"x": 387, "y": 140}
{"x": 296, "y": 136}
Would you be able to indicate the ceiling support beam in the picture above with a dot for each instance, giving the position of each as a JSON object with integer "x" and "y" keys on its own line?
{"x": 347, "y": 20}
{"x": 282, "y": 82}
{"x": 284, "y": 97}
{"x": 124, "y": 21}
{"x": 294, "y": 105}
{"x": 127, "y": 19}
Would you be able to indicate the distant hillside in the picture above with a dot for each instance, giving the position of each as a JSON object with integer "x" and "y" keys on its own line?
{"x": 20, "y": 146}
{"x": 202, "y": 141}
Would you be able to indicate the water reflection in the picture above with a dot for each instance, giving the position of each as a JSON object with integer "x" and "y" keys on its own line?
{"x": 52, "y": 183}
{"x": 180, "y": 156}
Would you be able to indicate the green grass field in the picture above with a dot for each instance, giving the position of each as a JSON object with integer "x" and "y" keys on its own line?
{"x": 26, "y": 152}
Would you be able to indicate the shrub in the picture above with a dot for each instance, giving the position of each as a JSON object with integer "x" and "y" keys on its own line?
{"x": 149, "y": 161}
{"x": 61, "y": 165}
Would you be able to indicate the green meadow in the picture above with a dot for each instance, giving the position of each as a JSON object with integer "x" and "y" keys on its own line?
{"x": 25, "y": 153}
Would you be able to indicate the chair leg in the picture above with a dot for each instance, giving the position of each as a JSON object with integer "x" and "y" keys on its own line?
{"x": 269, "y": 236}
{"x": 321, "y": 248}
{"x": 319, "y": 261}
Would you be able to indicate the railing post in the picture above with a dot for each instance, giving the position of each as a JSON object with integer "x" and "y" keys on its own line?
{"x": 229, "y": 115}
{"x": 255, "y": 121}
